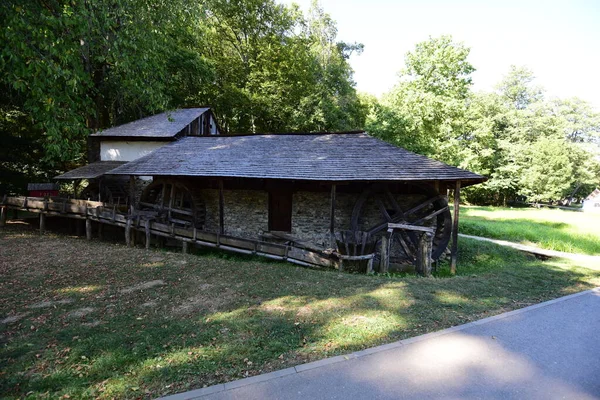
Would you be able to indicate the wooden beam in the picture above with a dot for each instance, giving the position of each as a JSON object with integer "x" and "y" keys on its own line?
{"x": 454, "y": 248}
{"x": 410, "y": 227}
{"x": 221, "y": 208}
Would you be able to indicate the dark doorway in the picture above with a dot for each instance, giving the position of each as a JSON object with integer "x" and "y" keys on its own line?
{"x": 280, "y": 210}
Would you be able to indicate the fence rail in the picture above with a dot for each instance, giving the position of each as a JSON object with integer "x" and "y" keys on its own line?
{"x": 109, "y": 214}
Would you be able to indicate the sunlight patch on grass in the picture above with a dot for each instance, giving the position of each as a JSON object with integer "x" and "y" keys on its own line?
{"x": 79, "y": 289}
{"x": 447, "y": 297}
{"x": 567, "y": 231}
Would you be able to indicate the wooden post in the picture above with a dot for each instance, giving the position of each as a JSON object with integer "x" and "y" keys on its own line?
{"x": 128, "y": 232}
{"x": 454, "y": 248}
{"x": 184, "y": 247}
{"x": 148, "y": 236}
{"x": 384, "y": 263}
{"x": 131, "y": 190}
{"x": 424, "y": 254}
{"x": 370, "y": 266}
{"x": 221, "y": 208}
{"x": 42, "y": 223}
{"x": 171, "y": 196}
{"x": 332, "y": 216}
{"x": 3, "y": 215}
{"x": 88, "y": 229}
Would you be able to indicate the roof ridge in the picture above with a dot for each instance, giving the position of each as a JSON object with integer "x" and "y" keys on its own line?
{"x": 357, "y": 132}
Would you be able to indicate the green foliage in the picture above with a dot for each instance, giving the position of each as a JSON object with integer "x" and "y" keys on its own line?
{"x": 77, "y": 66}
{"x": 277, "y": 70}
{"x": 69, "y": 68}
{"x": 424, "y": 111}
{"x": 529, "y": 147}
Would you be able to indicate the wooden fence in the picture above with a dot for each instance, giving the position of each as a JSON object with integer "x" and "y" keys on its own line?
{"x": 103, "y": 213}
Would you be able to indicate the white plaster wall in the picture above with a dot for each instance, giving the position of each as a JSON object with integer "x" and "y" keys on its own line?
{"x": 126, "y": 151}
{"x": 591, "y": 206}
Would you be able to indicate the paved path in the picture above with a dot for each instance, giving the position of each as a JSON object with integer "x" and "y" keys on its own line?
{"x": 593, "y": 260}
{"x": 547, "y": 351}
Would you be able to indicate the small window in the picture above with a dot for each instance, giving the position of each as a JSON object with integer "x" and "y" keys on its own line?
{"x": 280, "y": 211}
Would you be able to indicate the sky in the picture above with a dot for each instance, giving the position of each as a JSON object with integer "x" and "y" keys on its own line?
{"x": 558, "y": 40}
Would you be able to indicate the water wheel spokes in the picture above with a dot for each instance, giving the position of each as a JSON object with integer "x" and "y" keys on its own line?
{"x": 431, "y": 211}
{"x": 174, "y": 203}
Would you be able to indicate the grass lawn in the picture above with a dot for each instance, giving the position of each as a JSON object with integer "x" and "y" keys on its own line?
{"x": 572, "y": 232}
{"x": 99, "y": 320}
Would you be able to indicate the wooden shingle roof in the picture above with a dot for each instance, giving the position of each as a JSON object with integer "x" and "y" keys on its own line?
{"x": 321, "y": 157}
{"x": 593, "y": 195}
{"x": 91, "y": 171}
{"x": 164, "y": 125}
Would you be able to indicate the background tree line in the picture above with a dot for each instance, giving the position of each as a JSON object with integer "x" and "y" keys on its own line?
{"x": 532, "y": 148}
{"x": 71, "y": 67}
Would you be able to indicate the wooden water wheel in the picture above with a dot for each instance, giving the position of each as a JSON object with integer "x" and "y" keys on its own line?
{"x": 431, "y": 211}
{"x": 174, "y": 202}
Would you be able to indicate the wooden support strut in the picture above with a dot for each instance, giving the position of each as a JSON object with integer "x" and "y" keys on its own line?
{"x": 454, "y": 247}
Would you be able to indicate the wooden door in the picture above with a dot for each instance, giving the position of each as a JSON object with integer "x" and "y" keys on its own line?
{"x": 280, "y": 211}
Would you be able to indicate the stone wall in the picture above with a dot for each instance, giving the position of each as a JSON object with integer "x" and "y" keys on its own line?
{"x": 246, "y": 212}
{"x": 247, "y": 215}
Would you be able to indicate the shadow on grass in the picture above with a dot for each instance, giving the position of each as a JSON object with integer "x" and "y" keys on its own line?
{"x": 220, "y": 318}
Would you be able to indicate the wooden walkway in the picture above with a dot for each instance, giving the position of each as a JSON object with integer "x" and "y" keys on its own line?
{"x": 118, "y": 216}
{"x": 593, "y": 260}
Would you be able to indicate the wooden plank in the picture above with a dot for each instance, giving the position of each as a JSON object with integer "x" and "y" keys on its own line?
{"x": 309, "y": 257}
{"x": 237, "y": 242}
{"x": 271, "y": 248}
{"x": 410, "y": 227}
{"x": 454, "y": 247}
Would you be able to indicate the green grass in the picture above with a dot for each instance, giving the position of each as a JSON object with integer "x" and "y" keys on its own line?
{"x": 561, "y": 230}
{"x": 218, "y": 317}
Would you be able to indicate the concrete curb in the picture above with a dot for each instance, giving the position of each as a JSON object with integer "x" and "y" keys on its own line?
{"x": 198, "y": 393}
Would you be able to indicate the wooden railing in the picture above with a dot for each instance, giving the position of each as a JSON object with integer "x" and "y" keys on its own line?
{"x": 103, "y": 213}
